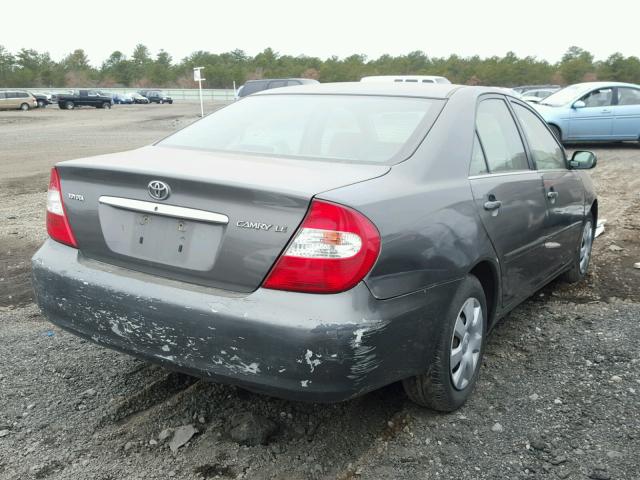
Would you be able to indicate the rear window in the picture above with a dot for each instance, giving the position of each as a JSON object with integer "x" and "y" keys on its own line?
{"x": 346, "y": 128}
{"x": 253, "y": 87}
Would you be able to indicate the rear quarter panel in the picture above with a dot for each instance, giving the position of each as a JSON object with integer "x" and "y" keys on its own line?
{"x": 424, "y": 209}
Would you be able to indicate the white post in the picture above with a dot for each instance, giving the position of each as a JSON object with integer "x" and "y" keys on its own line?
{"x": 197, "y": 76}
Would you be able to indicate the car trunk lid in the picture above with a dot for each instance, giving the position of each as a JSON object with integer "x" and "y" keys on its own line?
{"x": 225, "y": 222}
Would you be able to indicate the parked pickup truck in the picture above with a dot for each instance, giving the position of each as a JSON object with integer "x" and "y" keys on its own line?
{"x": 84, "y": 98}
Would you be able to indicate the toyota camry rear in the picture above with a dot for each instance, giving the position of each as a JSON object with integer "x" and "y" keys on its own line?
{"x": 315, "y": 242}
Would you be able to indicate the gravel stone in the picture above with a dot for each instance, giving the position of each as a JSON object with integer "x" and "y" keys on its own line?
{"x": 181, "y": 436}
{"x": 250, "y": 429}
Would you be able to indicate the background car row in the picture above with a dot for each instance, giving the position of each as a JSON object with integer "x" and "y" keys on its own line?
{"x": 590, "y": 111}
{"x": 26, "y": 100}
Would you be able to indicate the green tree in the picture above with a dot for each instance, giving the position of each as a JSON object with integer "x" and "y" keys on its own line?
{"x": 576, "y": 63}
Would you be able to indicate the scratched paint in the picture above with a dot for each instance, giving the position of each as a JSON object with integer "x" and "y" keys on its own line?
{"x": 313, "y": 363}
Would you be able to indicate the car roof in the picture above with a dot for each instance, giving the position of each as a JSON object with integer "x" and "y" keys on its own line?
{"x": 605, "y": 84}
{"x": 430, "y": 90}
{"x": 400, "y": 77}
{"x": 284, "y": 78}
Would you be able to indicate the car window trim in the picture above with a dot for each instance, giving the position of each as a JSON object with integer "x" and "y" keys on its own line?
{"x": 501, "y": 174}
{"x": 506, "y": 100}
{"x": 484, "y": 155}
{"x": 528, "y": 148}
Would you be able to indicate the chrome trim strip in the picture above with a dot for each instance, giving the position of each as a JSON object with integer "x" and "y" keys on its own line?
{"x": 165, "y": 210}
{"x": 503, "y": 174}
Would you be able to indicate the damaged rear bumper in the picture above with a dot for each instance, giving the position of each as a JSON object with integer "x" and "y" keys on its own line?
{"x": 298, "y": 346}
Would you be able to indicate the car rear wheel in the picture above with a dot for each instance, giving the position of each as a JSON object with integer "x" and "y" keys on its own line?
{"x": 582, "y": 257}
{"x": 24, "y": 107}
{"x": 69, "y": 105}
{"x": 106, "y": 105}
{"x": 454, "y": 367}
{"x": 41, "y": 104}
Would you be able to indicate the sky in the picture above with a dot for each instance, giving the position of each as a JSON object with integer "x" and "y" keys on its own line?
{"x": 322, "y": 28}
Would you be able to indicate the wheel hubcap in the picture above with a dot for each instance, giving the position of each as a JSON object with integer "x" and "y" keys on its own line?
{"x": 466, "y": 343}
{"x": 585, "y": 247}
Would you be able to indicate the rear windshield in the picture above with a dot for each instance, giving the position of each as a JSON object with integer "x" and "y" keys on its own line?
{"x": 347, "y": 128}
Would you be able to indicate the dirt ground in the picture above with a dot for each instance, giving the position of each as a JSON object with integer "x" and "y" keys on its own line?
{"x": 558, "y": 397}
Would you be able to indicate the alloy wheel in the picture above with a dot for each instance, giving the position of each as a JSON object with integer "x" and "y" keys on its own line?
{"x": 585, "y": 247}
{"x": 466, "y": 343}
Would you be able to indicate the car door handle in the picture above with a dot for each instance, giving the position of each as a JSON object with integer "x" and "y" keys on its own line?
{"x": 552, "y": 195}
{"x": 606, "y": 110}
{"x": 492, "y": 205}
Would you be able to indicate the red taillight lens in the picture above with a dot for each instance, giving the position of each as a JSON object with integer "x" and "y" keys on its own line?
{"x": 334, "y": 248}
{"x": 58, "y": 226}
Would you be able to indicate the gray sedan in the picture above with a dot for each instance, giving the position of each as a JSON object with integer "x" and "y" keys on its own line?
{"x": 319, "y": 242}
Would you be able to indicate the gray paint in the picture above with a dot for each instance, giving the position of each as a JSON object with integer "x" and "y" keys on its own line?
{"x": 433, "y": 229}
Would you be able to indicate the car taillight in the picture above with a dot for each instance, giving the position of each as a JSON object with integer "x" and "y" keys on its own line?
{"x": 58, "y": 226}
{"x": 334, "y": 248}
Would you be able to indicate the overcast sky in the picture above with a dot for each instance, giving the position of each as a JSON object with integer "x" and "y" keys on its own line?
{"x": 322, "y": 28}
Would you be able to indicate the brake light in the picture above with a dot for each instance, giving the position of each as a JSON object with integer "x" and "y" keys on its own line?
{"x": 334, "y": 248}
{"x": 58, "y": 226}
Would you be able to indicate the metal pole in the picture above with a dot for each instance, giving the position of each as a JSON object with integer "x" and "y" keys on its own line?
{"x": 197, "y": 75}
{"x": 201, "y": 105}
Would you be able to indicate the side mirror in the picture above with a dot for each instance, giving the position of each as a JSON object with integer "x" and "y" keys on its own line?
{"x": 579, "y": 104}
{"x": 583, "y": 160}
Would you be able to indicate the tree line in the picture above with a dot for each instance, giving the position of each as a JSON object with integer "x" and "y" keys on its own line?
{"x": 32, "y": 69}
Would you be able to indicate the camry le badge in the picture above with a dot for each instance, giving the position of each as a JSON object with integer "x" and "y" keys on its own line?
{"x": 261, "y": 226}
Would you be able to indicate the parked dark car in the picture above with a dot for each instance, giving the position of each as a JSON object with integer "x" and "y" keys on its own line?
{"x": 84, "y": 98}
{"x": 123, "y": 98}
{"x": 42, "y": 99}
{"x": 253, "y": 86}
{"x": 138, "y": 98}
{"x": 156, "y": 96}
{"x": 322, "y": 241}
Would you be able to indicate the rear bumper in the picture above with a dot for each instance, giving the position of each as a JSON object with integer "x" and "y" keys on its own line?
{"x": 292, "y": 345}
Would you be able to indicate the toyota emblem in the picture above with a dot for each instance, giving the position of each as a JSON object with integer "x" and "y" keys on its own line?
{"x": 159, "y": 190}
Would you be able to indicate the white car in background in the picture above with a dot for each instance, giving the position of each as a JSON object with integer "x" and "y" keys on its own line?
{"x": 405, "y": 79}
{"x": 535, "y": 96}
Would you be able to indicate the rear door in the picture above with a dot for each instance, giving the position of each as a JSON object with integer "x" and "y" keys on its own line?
{"x": 626, "y": 114}
{"x": 12, "y": 100}
{"x": 509, "y": 198}
{"x": 595, "y": 120}
{"x": 564, "y": 192}
{"x": 93, "y": 98}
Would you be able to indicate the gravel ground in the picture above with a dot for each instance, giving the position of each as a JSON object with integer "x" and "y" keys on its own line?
{"x": 559, "y": 394}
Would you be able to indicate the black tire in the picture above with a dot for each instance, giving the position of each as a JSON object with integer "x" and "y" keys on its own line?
{"x": 24, "y": 107}
{"x": 435, "y": 388}
{"x": 578, "y": 271}
{"x": 556, "y": 131}
{"x": 161, "y": 102}
{"x": 41, "y": 104}
{"x": 106, "y": 105}
{"x": 69, "y": 105}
